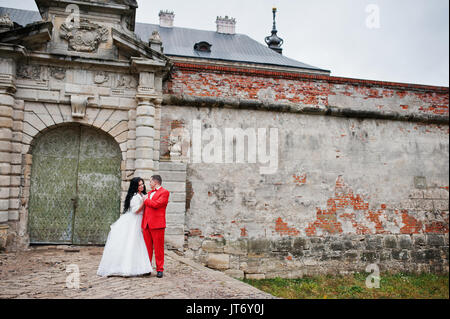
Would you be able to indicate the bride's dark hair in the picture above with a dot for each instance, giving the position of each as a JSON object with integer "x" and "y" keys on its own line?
{"x": 133, "y": 189}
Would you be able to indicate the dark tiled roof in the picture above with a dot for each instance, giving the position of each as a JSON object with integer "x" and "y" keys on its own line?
{"x": 238, "y": 47}
{"x": 180, "y": 42}
{"x": 22, "y": 17}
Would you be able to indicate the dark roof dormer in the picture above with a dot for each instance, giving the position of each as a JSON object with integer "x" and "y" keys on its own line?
{"x": 203, "y": 46}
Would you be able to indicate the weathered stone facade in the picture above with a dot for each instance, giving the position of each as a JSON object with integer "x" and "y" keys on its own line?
{"x": 79, "y": 65}
{"x": 362, "y": 166}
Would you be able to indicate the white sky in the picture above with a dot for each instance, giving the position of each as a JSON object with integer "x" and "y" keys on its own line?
{"x": 411, "y": 44}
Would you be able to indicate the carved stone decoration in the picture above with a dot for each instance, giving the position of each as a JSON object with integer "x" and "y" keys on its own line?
{"x": 58, "y": 73}
{"x": 86, "y": 37}
{"x": 101, "y": 77}
{"x": 6, "y": 23}
{"x": 126, "y": 81}
{"x": 174, "y": 146}
{"x": 78, "y": 103}
{"x": 27, "y": 71}
{"x": 179, "y": 144}
{"x": 155, "y": 37}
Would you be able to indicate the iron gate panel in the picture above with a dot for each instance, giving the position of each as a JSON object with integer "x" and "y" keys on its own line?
{"x": 75, "y": 186}
{"x": 53, "y": 186}
{"x": 98, "y": 187}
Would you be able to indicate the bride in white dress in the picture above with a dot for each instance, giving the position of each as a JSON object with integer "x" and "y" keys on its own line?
{"x": 125, "y": 252}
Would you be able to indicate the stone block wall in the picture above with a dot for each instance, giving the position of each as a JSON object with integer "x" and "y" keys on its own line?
{"x": 173, "y": 175}
{"x": 339, "y": 254}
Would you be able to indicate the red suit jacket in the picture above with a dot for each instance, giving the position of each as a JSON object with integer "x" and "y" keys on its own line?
{"x": 155, "y": 210}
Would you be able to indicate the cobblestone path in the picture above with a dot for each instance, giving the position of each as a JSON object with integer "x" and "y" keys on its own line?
{"x": 41, "y": 272}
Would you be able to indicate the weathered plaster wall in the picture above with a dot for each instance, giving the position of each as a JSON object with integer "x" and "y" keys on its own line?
{"x": 348, "y": 191}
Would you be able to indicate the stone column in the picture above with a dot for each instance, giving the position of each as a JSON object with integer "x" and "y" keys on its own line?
{"x": 157, "y": 138}
{"x": 149, "y": 98}
{"x": 7, "y": 90}
{"x": 145, "y": 121}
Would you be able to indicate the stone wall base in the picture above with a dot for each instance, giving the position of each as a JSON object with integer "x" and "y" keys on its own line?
{"x": 3, "y": 236}
{"x": 295, "y": 257}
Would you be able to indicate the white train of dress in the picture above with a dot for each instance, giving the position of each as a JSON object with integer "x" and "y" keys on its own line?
{"x": 125, "y": 253}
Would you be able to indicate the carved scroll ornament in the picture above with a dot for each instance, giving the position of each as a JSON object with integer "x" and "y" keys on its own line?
{"x": 86, "y": 37}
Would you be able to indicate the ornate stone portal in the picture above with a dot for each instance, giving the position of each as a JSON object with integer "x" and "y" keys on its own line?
{"x": 89, "y": 73}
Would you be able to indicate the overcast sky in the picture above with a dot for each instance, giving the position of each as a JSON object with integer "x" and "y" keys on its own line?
{"x": 407, "y": 42}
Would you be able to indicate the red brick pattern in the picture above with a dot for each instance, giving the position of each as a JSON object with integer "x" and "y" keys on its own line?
{"x": 345, "y": 200}
{"x": 282, "y": 228}
{"x": 306, "y": 89}
{"x": 299, "y": 179}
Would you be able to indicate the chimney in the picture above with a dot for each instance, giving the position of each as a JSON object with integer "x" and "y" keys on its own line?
{"x": 166, "y": 18}
{"x": 226, "y": 25}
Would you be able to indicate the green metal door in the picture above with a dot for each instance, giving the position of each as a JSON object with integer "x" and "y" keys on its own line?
{"x": 75, "y": 186}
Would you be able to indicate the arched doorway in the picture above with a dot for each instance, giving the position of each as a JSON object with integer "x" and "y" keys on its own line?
{"x": 75, "y": 186}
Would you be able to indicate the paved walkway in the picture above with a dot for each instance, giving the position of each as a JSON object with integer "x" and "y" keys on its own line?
{"x": 43, "y": 272}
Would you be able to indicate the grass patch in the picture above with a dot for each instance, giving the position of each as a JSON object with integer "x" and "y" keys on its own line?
{"x": 392, "y": 286}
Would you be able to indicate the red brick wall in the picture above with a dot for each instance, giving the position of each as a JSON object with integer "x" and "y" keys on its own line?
{"x": 310, "y": 90}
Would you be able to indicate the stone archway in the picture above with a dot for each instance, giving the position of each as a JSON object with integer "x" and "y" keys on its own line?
{"x": 75, "y": 186}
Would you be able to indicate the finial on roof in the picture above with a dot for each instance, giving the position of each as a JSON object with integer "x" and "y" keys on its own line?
{"x": 274, "y": 41}
{"x": 155, "y": 41}
{"x": 6, "y": 23}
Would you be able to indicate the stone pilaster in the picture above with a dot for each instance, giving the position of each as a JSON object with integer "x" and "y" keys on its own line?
{"x": 149, "y": 98}
{"x": 7, "y": 90}
{"x": 16, "y": 160}
{"x": 157, "y": 137}
{"x": 145, "y": 121}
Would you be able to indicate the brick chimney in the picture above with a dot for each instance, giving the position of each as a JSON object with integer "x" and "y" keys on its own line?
{"x": 166, "y": 18}
{"x": 226, "y": 25}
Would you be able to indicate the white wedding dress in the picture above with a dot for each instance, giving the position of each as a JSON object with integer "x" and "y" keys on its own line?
{"x": 125, "y": 253}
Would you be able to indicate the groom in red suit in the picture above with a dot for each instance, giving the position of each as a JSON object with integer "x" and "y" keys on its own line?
{"x": 154, "y": 222}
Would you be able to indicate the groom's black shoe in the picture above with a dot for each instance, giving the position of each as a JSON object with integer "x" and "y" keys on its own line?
{"x": 159, "y": 274}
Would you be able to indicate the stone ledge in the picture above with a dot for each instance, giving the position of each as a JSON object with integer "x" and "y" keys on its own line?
{"x": 196, "y": 101}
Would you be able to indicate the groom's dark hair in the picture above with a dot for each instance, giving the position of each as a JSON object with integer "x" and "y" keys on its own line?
{"x": 157, "y": 178}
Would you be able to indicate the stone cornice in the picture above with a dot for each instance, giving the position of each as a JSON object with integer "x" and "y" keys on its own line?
{"x": 245, "y": 65}
{"x": 7, "y": 72}
{"x": 8, "y": 50}
{"x": 138, "y": 47}
{"x": 200, "y": 101}
{"x": 38, "y": 32}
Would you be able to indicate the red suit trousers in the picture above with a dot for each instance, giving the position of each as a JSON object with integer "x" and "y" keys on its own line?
{"x": 154, "y": 240}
